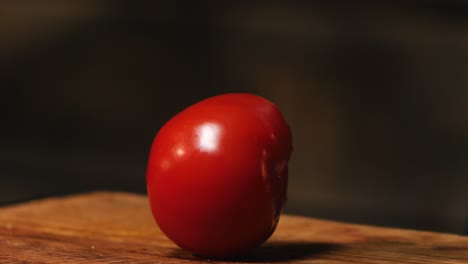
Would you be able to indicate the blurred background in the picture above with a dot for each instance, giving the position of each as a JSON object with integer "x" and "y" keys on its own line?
{"x": 376, "y": 95}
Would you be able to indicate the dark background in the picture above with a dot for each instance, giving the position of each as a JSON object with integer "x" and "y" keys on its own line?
{"x": 376, "y": 95}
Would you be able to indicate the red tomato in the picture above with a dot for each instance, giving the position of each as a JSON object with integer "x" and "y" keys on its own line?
{"x": 217, "y": 174}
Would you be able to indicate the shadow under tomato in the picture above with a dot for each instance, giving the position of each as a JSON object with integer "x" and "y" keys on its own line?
{"x": 286, "y": 251}
{"x": 272, "y": 252}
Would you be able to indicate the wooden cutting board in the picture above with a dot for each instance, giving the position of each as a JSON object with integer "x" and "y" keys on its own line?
{"x": 109, "y": 227}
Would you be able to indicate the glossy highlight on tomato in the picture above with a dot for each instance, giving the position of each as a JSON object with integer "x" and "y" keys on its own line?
{"x": 217, "y": 174}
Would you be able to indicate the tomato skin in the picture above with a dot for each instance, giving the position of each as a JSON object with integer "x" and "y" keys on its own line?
{"x": 217, "y": 174}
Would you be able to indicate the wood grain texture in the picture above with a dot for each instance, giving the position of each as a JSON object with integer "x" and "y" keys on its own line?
{"x": 109, "y": 227}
